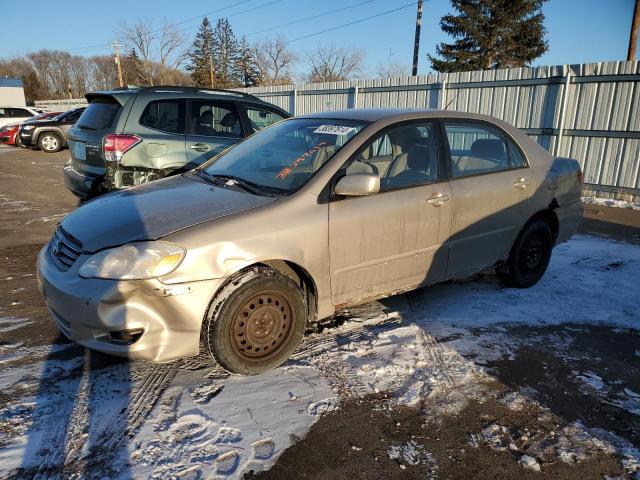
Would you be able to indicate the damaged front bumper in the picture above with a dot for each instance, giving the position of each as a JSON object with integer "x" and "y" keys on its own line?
{"x": 143, "y": 319}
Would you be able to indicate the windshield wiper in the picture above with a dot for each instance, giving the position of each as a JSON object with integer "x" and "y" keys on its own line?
{"x": 232, "y": 180}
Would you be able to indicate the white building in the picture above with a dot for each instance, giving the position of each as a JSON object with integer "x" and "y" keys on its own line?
{"x": 11, "y": 92}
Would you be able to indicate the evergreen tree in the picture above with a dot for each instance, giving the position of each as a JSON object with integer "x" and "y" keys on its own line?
{"x": 226, "y": 54}
{"x": 246, "y": 69}
{"x": 133, "y": 69}
{"x": 201, "y": 54}
{"x": 491, "y": 34}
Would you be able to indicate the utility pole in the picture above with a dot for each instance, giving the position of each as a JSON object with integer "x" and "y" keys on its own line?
{"x": 116, "y": 46}
{"x": 416, "y": 43}
{"x": 633, "y": 38}
{"x": 211, "y": 70}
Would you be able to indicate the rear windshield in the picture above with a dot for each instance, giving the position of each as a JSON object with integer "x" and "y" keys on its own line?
{"x": 99, "y": 114}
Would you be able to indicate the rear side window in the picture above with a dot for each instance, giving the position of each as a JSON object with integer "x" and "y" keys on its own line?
{"x": 165, "y": 115}
{"x": 477, "y": 149}
{"x": 261, "y": 118}
{"x": 215, "y": 119}
{"x": 99, "y": 115}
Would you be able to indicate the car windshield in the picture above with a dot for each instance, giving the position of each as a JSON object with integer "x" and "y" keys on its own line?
{"x": 283, "y": 157}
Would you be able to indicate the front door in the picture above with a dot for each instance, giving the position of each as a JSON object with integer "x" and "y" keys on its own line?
{"x": 396, "y": 239}
{"x": 212, "y": 127}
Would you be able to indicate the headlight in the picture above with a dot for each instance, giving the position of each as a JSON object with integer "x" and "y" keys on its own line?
{"x": 28, "y": 127}
{"x": 134, "y": 261}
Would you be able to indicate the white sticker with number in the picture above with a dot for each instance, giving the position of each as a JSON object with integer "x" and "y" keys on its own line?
{"x": 333, "y": 130}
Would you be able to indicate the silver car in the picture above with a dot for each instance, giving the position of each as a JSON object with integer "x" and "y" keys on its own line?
{"x": 312, "y": 214}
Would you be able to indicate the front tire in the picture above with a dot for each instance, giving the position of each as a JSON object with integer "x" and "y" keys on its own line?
{"x": 529, "y": 256}
{"x": 256, "y": 321}
{"x": 49, "y": 142}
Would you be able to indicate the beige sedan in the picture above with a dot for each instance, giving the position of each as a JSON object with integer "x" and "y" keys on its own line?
{"x": 307, "y": 216}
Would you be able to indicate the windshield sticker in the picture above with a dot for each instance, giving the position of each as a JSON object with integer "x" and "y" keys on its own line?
{"x": 333, "y": 129}
{"x": 284, "y": 173}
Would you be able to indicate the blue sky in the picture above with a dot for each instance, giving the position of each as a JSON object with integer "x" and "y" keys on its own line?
{"x": 579, "y": 31}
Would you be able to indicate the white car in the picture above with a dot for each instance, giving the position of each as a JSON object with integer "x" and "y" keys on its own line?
{"x": 17, "y": 114}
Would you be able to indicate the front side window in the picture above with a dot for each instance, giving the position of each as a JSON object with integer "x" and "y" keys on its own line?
{"x": 214, "y": 119}
{"x": 164, "y": 115}
{"x": 284, "y": 156}
{"x": 477, "y": 149}
{"x": 20, "y": 112}
{"x": 404, "y": 156}
{"x": 261, "y": 118}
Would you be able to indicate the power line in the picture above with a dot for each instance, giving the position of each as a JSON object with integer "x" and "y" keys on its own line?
{"x": 360, "y": 20}
{"x": 103, "y": 45}
{"x": 312, "y": 17}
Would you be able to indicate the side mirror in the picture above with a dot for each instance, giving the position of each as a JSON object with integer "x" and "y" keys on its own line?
{"x": 357, "y": 185}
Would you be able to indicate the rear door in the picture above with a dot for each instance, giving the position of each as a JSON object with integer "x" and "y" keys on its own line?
{"x": 491, "y": 186}
{"x": 212, "y": 127}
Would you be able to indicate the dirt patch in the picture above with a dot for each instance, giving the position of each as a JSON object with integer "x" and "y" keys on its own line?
{"x": 359, "y": 441}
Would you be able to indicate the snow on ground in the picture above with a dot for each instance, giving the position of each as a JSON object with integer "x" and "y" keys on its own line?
{"x": 608, "y": 202}
{"x": 429, "y": 346}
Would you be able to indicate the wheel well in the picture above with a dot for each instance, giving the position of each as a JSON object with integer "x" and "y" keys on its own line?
{"x": 41, "y": 132}
{"x": 302, "y": 278}
{"x": 549, "y": 216}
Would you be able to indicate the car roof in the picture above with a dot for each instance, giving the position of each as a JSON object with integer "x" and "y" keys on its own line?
{"x": 395, "y": 114}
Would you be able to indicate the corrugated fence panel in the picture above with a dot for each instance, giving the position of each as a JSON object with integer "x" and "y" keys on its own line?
{"x": 590, "y": 112}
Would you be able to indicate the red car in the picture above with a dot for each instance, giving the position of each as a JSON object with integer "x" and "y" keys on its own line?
{"x": 9, "y": 133}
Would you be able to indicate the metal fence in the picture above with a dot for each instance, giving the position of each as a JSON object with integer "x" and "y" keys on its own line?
{"x": 590, "y": 112}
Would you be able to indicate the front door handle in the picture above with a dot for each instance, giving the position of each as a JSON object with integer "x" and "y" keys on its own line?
{"x": 200, "y": 147}
{"x": 521, "y": 183}
{"x": 438, "y": 199}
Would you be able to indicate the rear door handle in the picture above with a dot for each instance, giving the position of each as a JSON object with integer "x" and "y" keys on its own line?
{"x": 521, "y": 183}
{"x": 200, "y": 147}
{"x": 438, "y": 199}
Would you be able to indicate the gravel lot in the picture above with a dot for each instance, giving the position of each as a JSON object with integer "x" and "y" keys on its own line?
{"x": 465, "y": 380}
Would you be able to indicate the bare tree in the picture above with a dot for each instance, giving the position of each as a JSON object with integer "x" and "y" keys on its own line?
{"x": 392, "y": 69}
{"x": 160, "y": 51}
{"x": 103, "y": 73}
{"x": 330, "y": 63}
{"x": 273, "y": 61}
{"x": 34, "y": 89}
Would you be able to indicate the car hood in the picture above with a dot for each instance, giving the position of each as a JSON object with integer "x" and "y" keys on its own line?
{"x": 154, "y": 210}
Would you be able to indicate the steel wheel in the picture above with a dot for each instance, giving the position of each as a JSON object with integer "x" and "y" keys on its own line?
{"x": 255, "y": 322}
{"x": 261, "y": 326}
{"x": 529, "y": 256}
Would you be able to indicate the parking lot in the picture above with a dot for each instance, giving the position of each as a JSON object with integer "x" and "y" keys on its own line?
{"x": 462, "y": 380}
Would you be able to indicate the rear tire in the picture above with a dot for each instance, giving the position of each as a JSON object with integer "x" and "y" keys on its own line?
{"x": 49, "y": 142}
{"x": 529, "y": 256}
{"x": 255, "y": 322}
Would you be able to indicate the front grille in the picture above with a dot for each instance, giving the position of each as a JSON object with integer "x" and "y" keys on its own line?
{"x": 64, "y": 250}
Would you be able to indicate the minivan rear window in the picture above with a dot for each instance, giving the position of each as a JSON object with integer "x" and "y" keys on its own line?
{"x": 99, "y": 114}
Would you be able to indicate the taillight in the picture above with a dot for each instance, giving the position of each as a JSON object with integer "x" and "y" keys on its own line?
{"x": 115, "y": 145}
{"x": 580, "y": 176}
